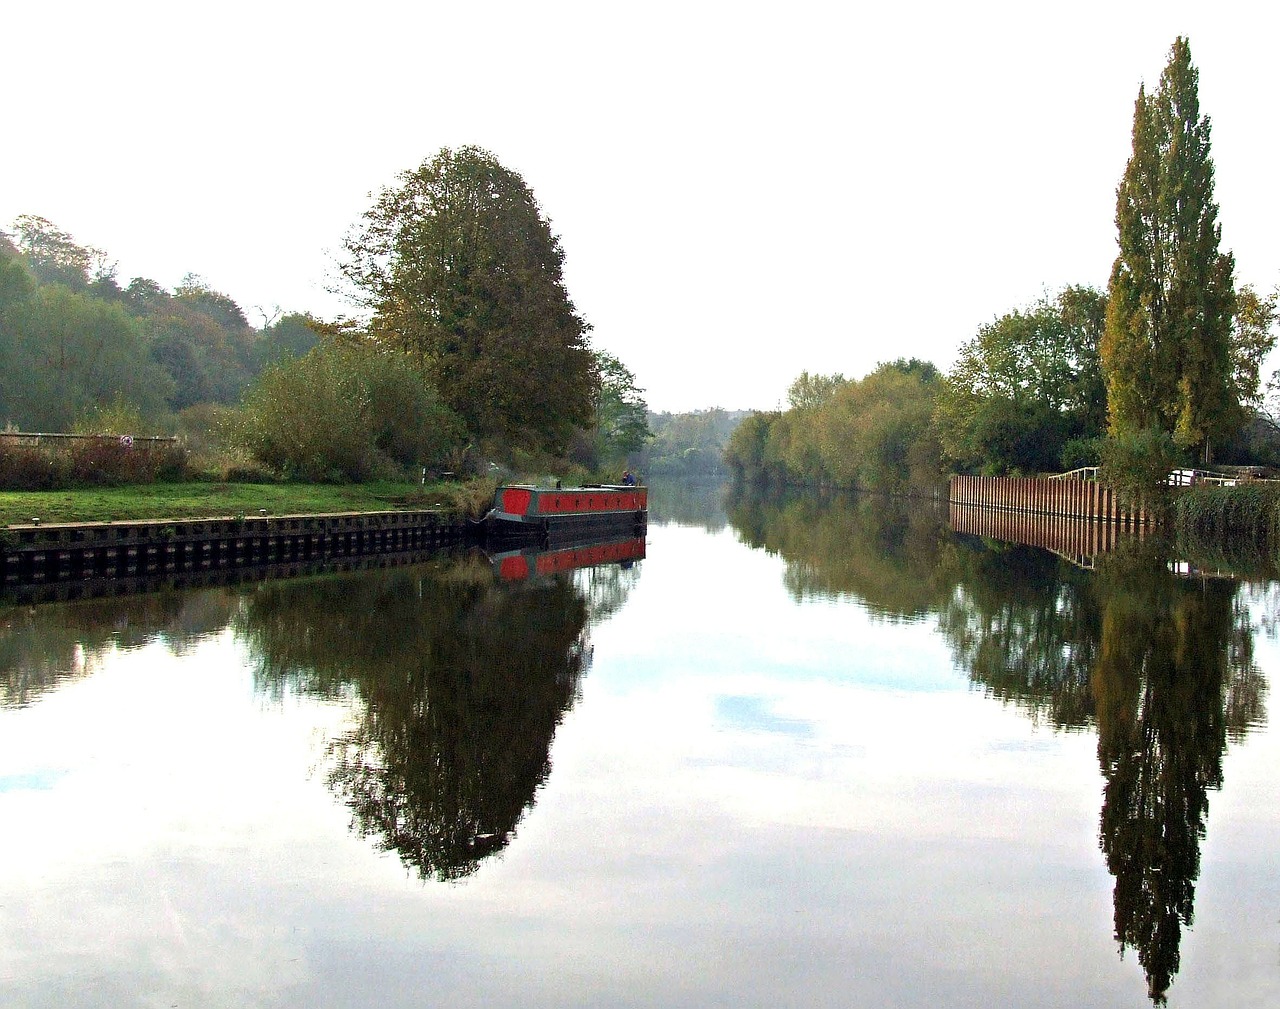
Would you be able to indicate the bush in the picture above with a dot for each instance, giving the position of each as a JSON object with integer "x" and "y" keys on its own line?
{"x": 1245, "y": 515}
{"x": 1080, "y": 452}
{"x": 95, "y": 462}
{"x": 345, "y": 412}
{"x": 1138, "y": 464}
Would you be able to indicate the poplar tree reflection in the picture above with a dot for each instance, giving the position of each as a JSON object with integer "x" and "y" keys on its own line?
{"x": 1162, "y": 665}
{"x": 1174, "y": 670}
{"x": 463, "y": 681}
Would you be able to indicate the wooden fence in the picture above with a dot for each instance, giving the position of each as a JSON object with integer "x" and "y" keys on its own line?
{"x": 1066, "y": 498}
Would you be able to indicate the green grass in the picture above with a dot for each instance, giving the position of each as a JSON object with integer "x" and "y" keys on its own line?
{"x": 211, "y": 500}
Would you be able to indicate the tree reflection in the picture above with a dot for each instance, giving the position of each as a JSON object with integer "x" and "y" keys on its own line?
{"x": 1174, "y": 672}
{"x": 43, "y": 647}
{"x": 1162, "y": 665}
{"x": 688, "y": 502}
{"x": 463, "y": 680}
{"x": 884, "y": 551}
{"x": 1025, "y": 627}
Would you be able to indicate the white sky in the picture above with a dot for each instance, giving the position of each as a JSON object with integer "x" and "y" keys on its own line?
{"x": 743, "y": 190}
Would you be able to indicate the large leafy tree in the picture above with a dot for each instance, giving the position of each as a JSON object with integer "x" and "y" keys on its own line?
{"x": 1166, "y": 352}
{"x": 1024, "y": 384}
{"x": 461, "y": 270}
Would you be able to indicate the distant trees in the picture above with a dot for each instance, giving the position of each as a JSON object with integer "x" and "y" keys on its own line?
{"x": 688, "y": 444}
{"x": 73, "y": 342}
{"x": 64, "y": 352}
{"x": 1167, "y": 349}
{"x": 873, "y": 433}
{"x": 462, "y": 272}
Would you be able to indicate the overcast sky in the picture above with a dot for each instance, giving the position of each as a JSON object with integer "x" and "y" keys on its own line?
{"x": 743, "y": 190}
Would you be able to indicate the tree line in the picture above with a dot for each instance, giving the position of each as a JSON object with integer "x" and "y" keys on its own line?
{"x": 75, "y": 342}
{"x": 468, "y": 346}
{"x": 1163, "y": 367}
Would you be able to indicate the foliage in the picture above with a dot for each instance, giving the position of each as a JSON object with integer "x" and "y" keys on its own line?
{"x": 747, "y": 453}
{"x": 1137, "y": 464}
{"x": 1252, "y": 340}
{"x": 65, "y": 352}
{"x": 873, "y": 433}
{"x": 812, "y": 392}
{"x": 88, "y": 463}
{"x": 621, "y": 416}
{"x": 1166, "y": 351}
{"x": 1026, "y": 384}
{"x": 201, "y": 339}
{"x": 53, "y": 255}
{"x": 119, "y": 417}
{"x": 1081, "y": 452}
{"x": 345, "y": 412}
{"x": 876, "y": 433}
{"x": 292, "y": 335}
{"x": 688, "y": 444}
{"x": 462, "y": 272}
{"x": 1247, "y": 515}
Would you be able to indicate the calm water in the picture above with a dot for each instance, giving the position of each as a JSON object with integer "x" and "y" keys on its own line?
{"x": 801, "y": 754}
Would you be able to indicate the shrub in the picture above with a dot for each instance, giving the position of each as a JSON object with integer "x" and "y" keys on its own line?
{"x": 1079, "y": 452}
{"x": 1138, "y": 464}
{"x": 92, "y": 462}
{"x": 345, "y": 412}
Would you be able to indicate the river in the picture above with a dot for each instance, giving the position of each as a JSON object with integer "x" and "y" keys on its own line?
{"x": 803, "y": 752}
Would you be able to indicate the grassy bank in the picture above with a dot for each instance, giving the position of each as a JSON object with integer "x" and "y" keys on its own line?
{"x": 208, "y": 500}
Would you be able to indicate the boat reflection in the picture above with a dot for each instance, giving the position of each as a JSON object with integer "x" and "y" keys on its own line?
{"x": 518, "y": 565}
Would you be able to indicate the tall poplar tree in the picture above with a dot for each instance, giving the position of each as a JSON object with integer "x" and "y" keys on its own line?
{"x": 1166, "y": 348}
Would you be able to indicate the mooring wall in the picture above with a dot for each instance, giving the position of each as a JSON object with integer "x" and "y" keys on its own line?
{"x": 1069, "y": 498}
{"x": 38, "y": 553}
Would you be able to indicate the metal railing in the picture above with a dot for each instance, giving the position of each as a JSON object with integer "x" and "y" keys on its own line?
{"x": 1176, "y": 478}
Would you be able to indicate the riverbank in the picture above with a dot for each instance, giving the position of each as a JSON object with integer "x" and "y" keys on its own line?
{"x": 192, "y": 500}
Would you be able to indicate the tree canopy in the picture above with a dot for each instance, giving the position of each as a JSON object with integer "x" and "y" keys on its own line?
{"x": 461, "y": 270}
{"x": 1024, "y": 385}
{"x": 622, "y": 423}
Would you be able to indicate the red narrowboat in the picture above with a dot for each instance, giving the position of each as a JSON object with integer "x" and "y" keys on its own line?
{"x": 525, "y": 511}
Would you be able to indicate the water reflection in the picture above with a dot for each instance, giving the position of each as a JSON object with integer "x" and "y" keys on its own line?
{"x": 461, "y": 678}
{"x": 458, "y": 678}
{"x": 885, "y": 551}
{"x": 1024, "y": 626}
{"x": 688, "y": 503}
{"x": 1161, "y": 665}
{"x": 41, "y": 648}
